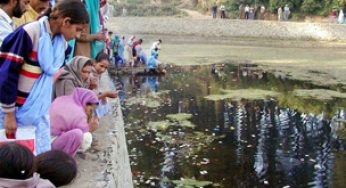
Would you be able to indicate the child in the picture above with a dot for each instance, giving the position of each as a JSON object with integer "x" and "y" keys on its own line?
{"x": 57, "y": 167}
{"x": 17, "y": 168}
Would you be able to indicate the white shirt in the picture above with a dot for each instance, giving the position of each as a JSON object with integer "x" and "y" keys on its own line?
{"x": 6, "y": 25}
{"x": 247, "y": 9}
{"x": 222, "y": 8}
{"x": 155, "y": 45}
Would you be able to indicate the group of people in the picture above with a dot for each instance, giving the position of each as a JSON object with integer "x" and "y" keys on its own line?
{"x": 251, "y": 12}
{"x": 117, "y": 45}
{"x": 52, "y": 56}
{"x": 284, "y": 13}
{"x": 214, "y": 9}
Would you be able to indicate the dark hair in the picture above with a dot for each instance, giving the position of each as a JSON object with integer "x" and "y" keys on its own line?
{"x": 160, "y": 40}
{"x": 110, "y": 32}
{"x": 88, "y": 63}
{"x": 4, "y": 1}
{"x": 141, "y": 40}
{"x": 74, "y": 9}
{"x": 101, "y": 56}
{"x": 56, "y": 166}
{"x": 16, "y": 162}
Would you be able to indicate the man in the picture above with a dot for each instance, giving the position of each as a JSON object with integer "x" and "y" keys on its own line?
{"x": 156, "y": 44}
{"x": 286, "y": 12}
{"x": 247, "y": 12}
{"x": 8, "y": 10}
{"x": 35, "y": 9}
{"x": 214, "y": 10}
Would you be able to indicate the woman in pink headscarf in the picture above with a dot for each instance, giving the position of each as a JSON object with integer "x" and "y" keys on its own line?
{"x": 72, "y": 119}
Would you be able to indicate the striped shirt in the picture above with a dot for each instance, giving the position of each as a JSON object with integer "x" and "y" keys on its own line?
{"x": 19, "y": 66}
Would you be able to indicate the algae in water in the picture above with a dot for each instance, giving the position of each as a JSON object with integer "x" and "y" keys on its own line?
{"x": 192, "y": 183}
{"x": 179, "y": 117}
{"x": 319, "y": 94}
{"x": 251, "y": 94}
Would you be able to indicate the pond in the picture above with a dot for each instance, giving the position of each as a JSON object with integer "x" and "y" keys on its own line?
{"x": 232, "y": 126}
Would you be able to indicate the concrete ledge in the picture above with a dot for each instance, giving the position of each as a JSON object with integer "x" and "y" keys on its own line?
{"x": 227, "y": 28}
{"x": 106, "y": 164}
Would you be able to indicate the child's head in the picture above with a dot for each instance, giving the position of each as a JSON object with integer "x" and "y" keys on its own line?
{"x": 140, "y": 41}
{"x": 101, "y": 62}
{"x": 16, "y": 162}
{"x": 110, "y": 33}
{"x": 57, "y": 167}
{"x": 71, "y": 17}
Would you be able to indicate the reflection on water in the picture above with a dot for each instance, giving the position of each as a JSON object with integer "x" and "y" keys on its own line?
{"x": 284, "y": 142}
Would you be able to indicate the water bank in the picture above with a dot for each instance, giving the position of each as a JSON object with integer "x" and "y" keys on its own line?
{"x": 228, "y": 28}
{"x": 106, "y": 164}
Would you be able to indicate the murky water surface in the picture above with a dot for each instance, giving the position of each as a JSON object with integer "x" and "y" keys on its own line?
{"x": 281, "y": 141}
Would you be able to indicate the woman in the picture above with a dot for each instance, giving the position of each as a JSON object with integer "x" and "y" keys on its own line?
{"x": 100, "y": 66}
{"x": 17, "y": 168}
{"x": 74, "y": 74}
{"x": 70, "y": 126}
{"x": 29, "y": 58}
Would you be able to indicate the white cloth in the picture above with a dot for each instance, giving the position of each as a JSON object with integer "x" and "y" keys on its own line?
{"x": 6, "y": 24}
{"x": 222, "y": 7}
{"x": 247, "y": 9}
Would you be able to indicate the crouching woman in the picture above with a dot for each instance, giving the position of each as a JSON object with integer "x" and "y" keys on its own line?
{"x": 72, "y": 119}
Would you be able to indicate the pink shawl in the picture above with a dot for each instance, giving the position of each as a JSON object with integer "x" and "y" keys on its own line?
{"x": 67, "y": 112}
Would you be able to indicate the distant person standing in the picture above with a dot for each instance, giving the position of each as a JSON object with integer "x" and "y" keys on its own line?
{"x": 262, "y": 12}
{"x": 214, "y": 10}
{"x": 341, "y": 18}
{"x": 247, "y": 11}
{"x": 124, "y": 11}
{"x": 222, "y": 9}
{"x": 286, "y": 12}
{"x": 279, "y": 14}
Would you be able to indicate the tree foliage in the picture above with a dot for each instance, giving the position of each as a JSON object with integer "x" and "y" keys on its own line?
{"x": 303, "y": 7}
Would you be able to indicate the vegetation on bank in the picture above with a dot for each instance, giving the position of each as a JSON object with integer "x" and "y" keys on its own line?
{"x": 147, "y": 8}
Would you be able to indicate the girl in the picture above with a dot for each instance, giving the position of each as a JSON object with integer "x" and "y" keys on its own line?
{"x": 74, "y": 74}
{"x": 70, "y": 127}
{"x": 29, "y": 57}
{"x": 99, "y": 67}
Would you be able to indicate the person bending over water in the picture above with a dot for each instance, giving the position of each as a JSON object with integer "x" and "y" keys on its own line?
{"x": 72, "y": 119}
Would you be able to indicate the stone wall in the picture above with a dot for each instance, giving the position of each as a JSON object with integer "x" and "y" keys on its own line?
{"x": 227, "y": 28}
